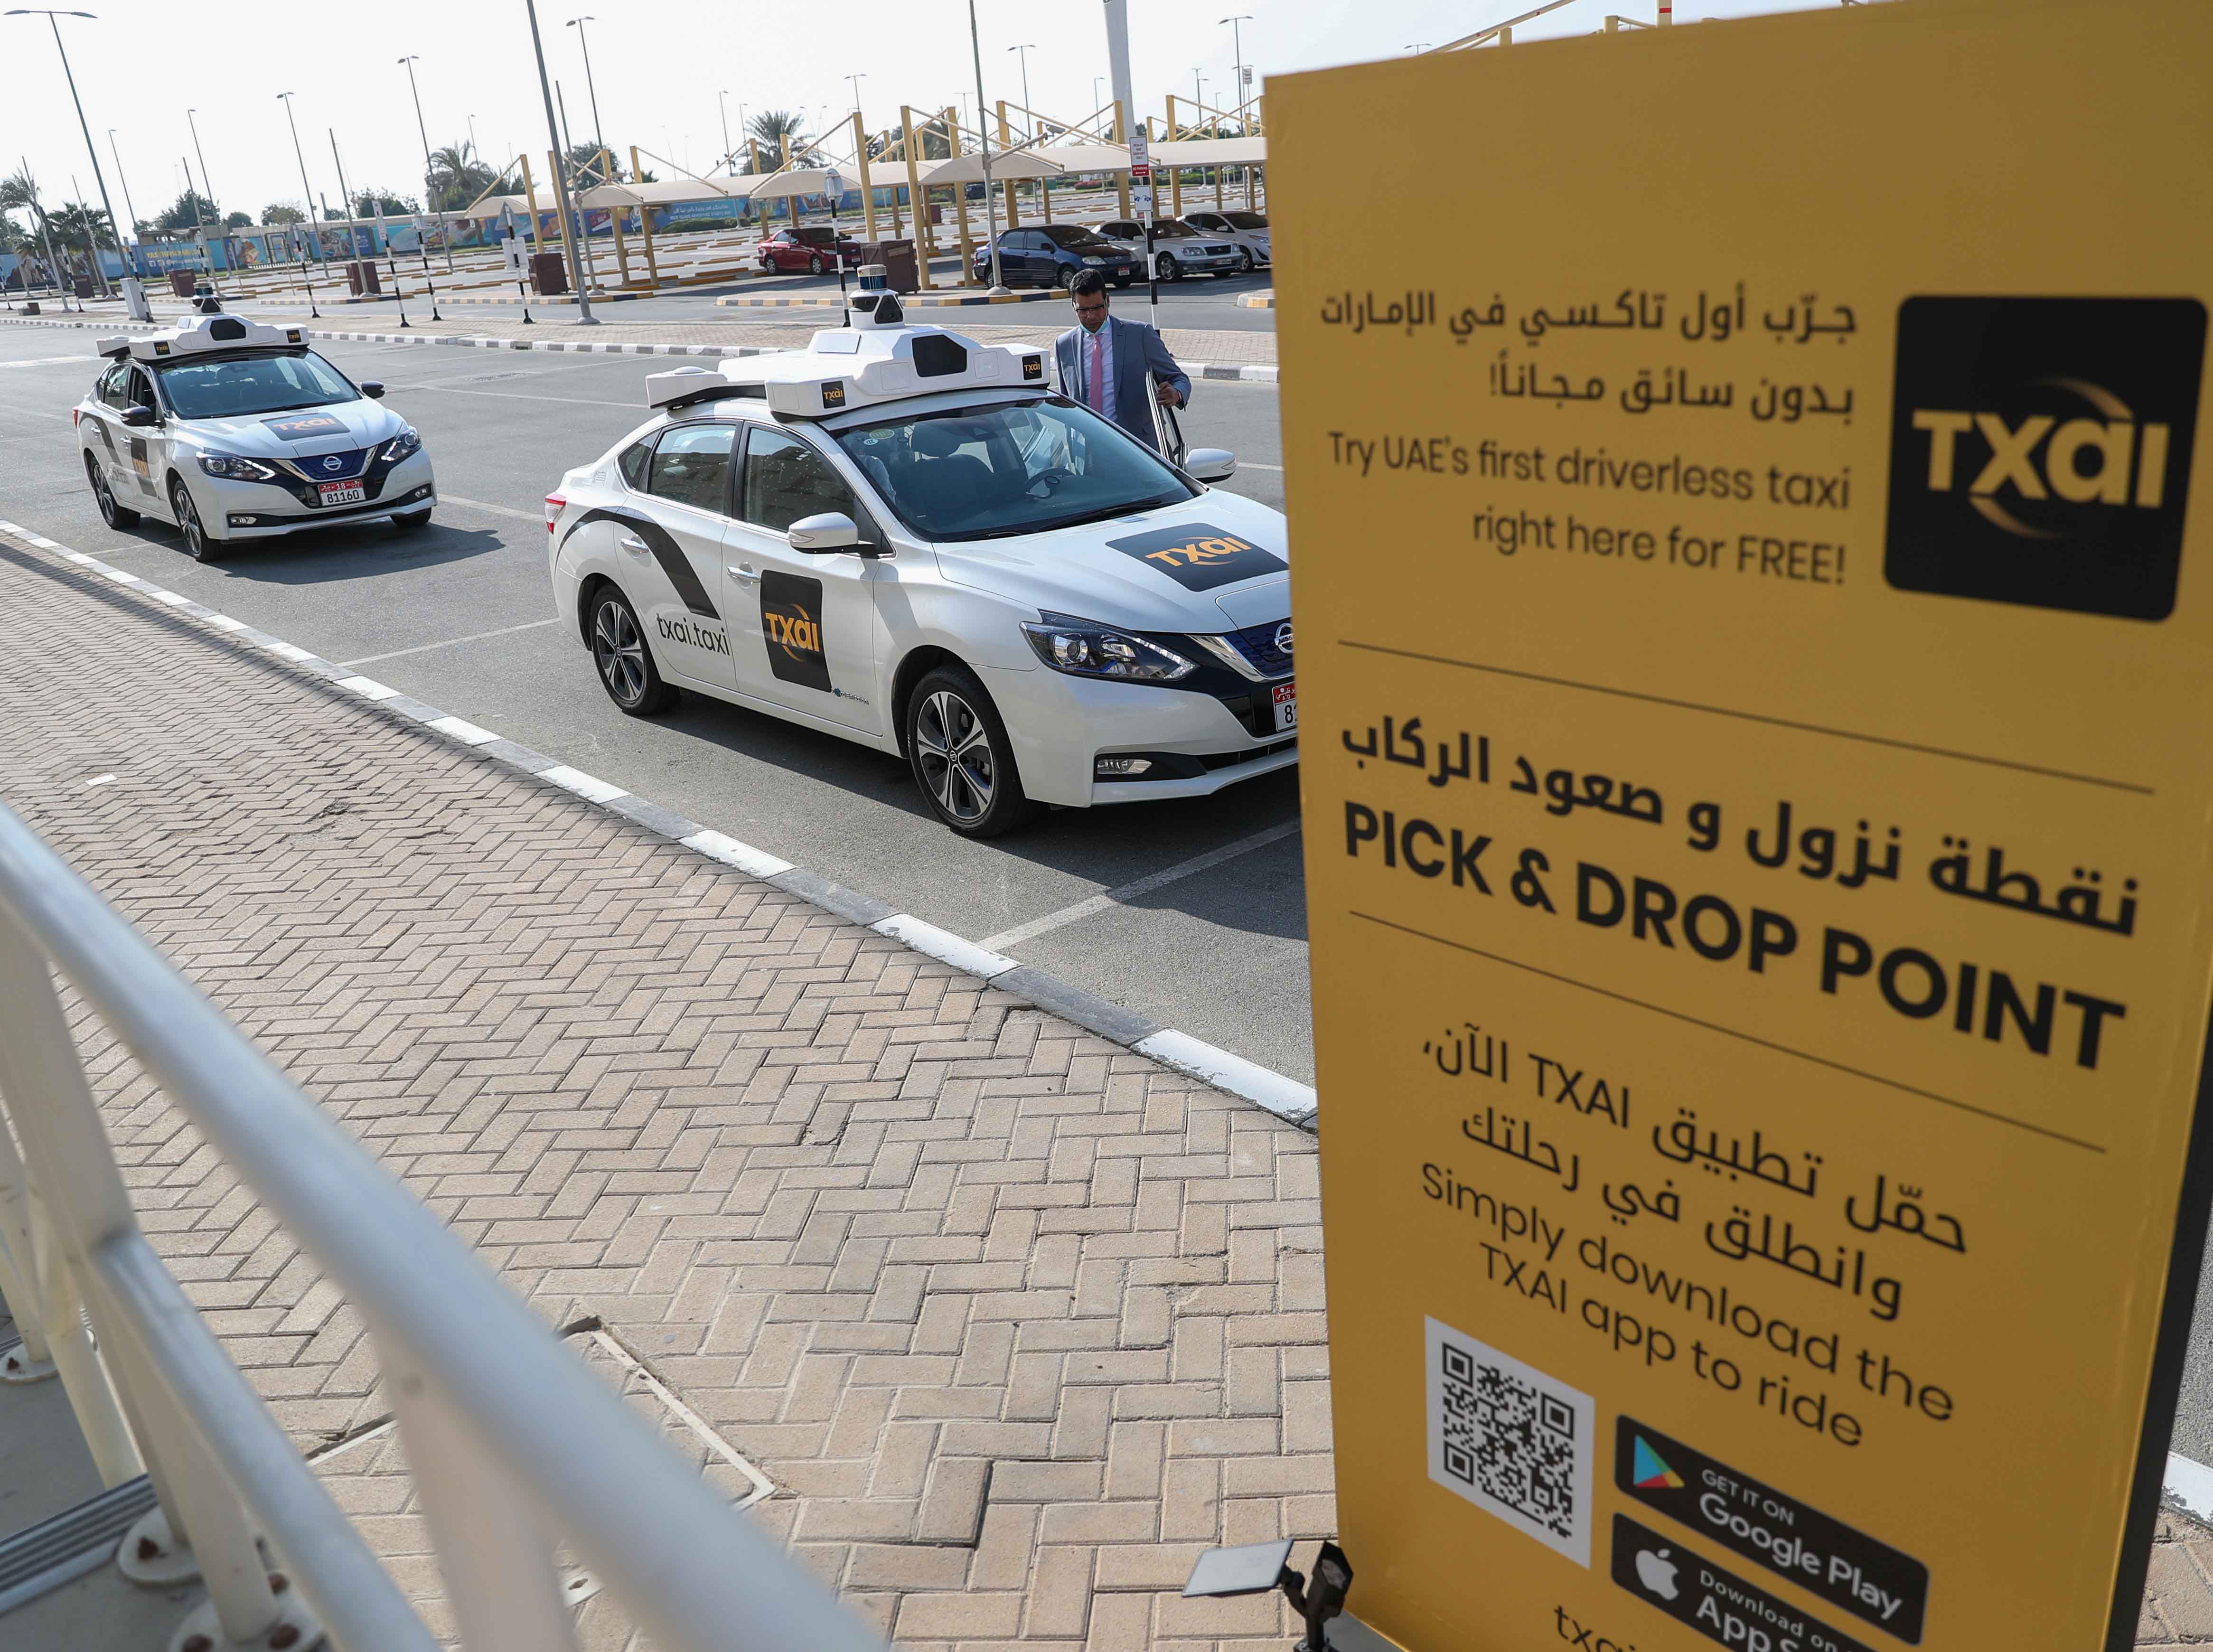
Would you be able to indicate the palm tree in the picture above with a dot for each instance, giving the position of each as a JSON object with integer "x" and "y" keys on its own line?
{"x": 77, "y": 225}
{"x": 457, "y": 177}
{"x": 770, "y": 130}
{"x": 16, "y": 190}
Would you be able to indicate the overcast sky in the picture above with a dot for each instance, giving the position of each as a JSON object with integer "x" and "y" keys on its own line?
{"x": 659, "y": 64}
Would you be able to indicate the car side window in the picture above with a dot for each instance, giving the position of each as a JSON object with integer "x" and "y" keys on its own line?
{"x": 787, "y": 480}
{"x": 635, "y": 458}
{"x": 113, "y": 383}
{"x": 141, "y": 393}
{"x": 691, "y": 466}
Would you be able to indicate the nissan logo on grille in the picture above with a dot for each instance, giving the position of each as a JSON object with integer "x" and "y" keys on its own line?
{"x": 1284, "y": 636}
{"x": 334, "y": 463}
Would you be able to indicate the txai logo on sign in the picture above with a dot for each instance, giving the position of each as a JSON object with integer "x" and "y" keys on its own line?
{"x": 2040, "y": 450}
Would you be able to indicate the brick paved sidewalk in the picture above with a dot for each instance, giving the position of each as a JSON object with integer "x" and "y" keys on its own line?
{"x": 2178, "y": 1605}
{"x": 1014, "y": 1321}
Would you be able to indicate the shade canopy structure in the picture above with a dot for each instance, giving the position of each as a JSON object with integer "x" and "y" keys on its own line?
{"x": 1211, "y": 152}
{"x": 661, "y": 194}
{"x": 1008, "y": 166}
{"x": 775, "y": 185}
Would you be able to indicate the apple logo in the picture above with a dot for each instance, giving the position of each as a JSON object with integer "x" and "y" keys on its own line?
{"x": 1657, "y": 1572}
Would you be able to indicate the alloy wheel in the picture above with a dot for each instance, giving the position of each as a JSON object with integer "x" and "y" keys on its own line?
{"x": 188, "y": 521}
{"x": 956, "y": 757}
{"x": 105, "y": 493}
{"x": 620, "y": 652}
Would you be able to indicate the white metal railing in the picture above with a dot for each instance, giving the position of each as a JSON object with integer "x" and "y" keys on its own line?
{"x": 511, "y": 1439}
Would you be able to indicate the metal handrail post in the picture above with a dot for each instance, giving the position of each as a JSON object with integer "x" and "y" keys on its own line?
{"x": 495, "y": 1558}
{"x": 18, "y": 1256}
{"x": 85, "y": 1379}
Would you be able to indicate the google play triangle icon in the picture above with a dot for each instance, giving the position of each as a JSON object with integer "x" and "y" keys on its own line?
{"x": 1652, "y": 1474}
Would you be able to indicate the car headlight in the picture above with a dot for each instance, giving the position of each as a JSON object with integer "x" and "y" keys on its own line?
{"x": 1094, "y": 261}
{"x": 409, "y": 440}
{"x": 236, "y": 469}
{"x": 1084, "y": 648}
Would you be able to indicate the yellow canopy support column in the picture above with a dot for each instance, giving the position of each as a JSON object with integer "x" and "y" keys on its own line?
{"x": 961, "y": 201}
{"x": 860, "y": 160}
{"x": 530, "y": 193}
{"x": 645, "y": 224}
{"x": 1121, "y": 178}
{"x": 615, "y": 218}
{"x": 568, "y": 245}
{"x": 1006, "y": 143}
{"x": 1175, "y": 174}
{"x": 923, "y": 243}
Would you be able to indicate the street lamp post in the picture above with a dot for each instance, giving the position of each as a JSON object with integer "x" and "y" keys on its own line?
{"x": 584, "y": 316}
{"x": 1237, "y": 51}
{"x": 125, "y": 182}
{"x": 984, "y": 143}
{"x": 306, "y": 194}
{"x": 424, "y": 132}
{"x": 345, "y": 195}
{"x": 722, "y": 108}
{"x": 53, "y": 20}
{"x": 854, "y": 81}
{"x": 599, "y": 138}
{"x": 1025, "y": 52}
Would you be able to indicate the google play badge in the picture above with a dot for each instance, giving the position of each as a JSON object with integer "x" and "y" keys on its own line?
{"x": 1652, "y": 1474}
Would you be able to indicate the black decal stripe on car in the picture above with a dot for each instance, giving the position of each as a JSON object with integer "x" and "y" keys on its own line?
{"x": 666, "y": 551}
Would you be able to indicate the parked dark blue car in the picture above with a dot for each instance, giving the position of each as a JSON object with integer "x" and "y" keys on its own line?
{"x": 1054, "y": 255}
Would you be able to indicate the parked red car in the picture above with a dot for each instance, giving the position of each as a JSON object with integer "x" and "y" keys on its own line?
{"x": 809, "y": 247}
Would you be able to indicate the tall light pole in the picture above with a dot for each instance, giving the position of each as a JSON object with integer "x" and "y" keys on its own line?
{"x": 584, "y": 316}
{"x": 206, "y": 186}
{"x": 472, "y": 138}
{"x": 125, "y": 182}
{"x": 1237, "y": 51}
{"x": 306, "y": 194}
{"x": 345, "y": 195}
{"x": 854, "y": 81}
{"x": 722, "y": 108}
{"x": 1024, "y": 51}
{"x": 984, "y": 145}
{"x": 53, "y": 22}
{"x": 424, "y": 132}
{"x": 598, "y": 139}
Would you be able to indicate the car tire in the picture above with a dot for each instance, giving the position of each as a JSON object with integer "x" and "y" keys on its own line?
{"x": 814, "y": 264}
{"x": 625, "y": 663}
{"x": 111, "y": 512}
{"x": 198, "y": 544}
{"x": 1244, "y": 264}
{"x": 957, "y": 747}
{"x": 411, "y": 522}
{"x": 1167, "y": 268}
{"x": 1121, "y": 282}
{"x": 1066, "y": 279}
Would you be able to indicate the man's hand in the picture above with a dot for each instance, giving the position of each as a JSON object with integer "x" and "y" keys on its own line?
{"x": 1167, "y": 392}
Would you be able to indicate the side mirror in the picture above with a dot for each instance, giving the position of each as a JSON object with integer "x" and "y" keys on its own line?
{"x": 833, "y": 530}
{"x": 1211, "y": 464}
{"x": 139, "y": 416}
{"x": 372, "y": 389}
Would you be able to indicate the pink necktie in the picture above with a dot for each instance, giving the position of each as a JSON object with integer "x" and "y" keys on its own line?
{"x": 1098, "y": 372}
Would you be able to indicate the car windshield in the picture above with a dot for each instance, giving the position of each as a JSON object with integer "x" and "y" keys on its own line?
{"x": 1073, "y": 239}
{"x": 1173, "y": 230}
{"x": 1246, "y": 220}
{"x": 1018, "y": 467}
{"x": 239, "y": 386}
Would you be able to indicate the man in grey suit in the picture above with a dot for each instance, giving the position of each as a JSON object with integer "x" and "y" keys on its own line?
{"x": 1102, "y": 362}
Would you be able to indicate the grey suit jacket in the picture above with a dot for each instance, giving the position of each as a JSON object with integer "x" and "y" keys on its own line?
{"x": 1137, "y": 350}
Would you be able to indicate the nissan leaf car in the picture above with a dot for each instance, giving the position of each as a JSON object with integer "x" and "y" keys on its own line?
{"x": 235, "y": 430}
{"x": 903, "y": 537}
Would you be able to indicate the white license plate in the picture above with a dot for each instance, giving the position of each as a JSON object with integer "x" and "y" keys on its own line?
{"x": 344, "y": 493}
{"x": 1287, "y": 706}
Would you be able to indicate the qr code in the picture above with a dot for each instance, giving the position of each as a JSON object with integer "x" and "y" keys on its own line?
{"x": 1510, "y": 1440}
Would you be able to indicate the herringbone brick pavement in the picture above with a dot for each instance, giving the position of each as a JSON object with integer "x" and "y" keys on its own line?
{"x": 1014, "y": 1322}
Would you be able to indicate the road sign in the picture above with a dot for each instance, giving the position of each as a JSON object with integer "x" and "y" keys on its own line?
{"x": 1757, "y": 656}
{"x": 1141, "y": 200}
{"x": 1141, "y": 149}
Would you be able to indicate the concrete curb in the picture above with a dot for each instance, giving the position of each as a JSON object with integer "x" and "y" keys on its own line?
{"x": 1286, "y": 1098}
{"x": 1251, "y": 373}
{"x": 1266, "y": 301}
{"x": 910, "y": 300}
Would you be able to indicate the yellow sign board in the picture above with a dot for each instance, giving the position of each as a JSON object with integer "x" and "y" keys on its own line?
{"x": 1756, "y": 640}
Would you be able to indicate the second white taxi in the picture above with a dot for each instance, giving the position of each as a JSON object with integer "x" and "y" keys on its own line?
{"x": 902, "y": 537}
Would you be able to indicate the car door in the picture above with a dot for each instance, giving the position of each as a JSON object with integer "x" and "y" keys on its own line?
{"x": 108, "y": 445}
{"x": 805, "y": 624}
{"x": 144, "y": 449}
{"x": 672, "y": 550}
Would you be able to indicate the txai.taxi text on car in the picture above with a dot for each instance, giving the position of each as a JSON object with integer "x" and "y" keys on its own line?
{"x": 903, "y": 538}
{"x": 235, "y": 430}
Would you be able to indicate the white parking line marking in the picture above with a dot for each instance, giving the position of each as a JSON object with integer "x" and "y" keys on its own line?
{"x": 538, "y": 517}
{"x": 1128, "y": 891}
{"x": 1255, "y": 464}
{"x": 516, "y": 395}
{"x": 51, "y": 360}
{"x": 451, "y": 641}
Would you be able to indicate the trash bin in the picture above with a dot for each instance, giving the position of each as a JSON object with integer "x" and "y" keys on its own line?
{"x": 548, "y": 275}
{"x": 30, "y": 307}
{"x": 936, "y": 216}
{"x": 902, "y": 273}
{"x": 353, "y": 278}
{"x": 83, "y": 285}
{"x": 180, "y": 282}
{"x": 368, "y": 284}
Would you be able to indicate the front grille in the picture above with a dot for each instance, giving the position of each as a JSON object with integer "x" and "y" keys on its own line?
{"x": 1222, "y": 252}
{"x": 349, "y": 465}
{"x": 1257, "y": 644}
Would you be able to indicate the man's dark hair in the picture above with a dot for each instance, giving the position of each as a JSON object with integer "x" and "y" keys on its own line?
{"x": 1087, "y": 283}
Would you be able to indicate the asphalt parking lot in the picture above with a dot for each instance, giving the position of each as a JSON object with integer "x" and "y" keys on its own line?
{"x": 1191, "y": 912}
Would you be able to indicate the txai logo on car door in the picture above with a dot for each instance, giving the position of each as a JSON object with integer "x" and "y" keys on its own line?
{"x": 791, "y": 626}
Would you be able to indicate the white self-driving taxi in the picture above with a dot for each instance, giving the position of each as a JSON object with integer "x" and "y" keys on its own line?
{"x": 902, "y": 537}
{"x": 235, "y": 430}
